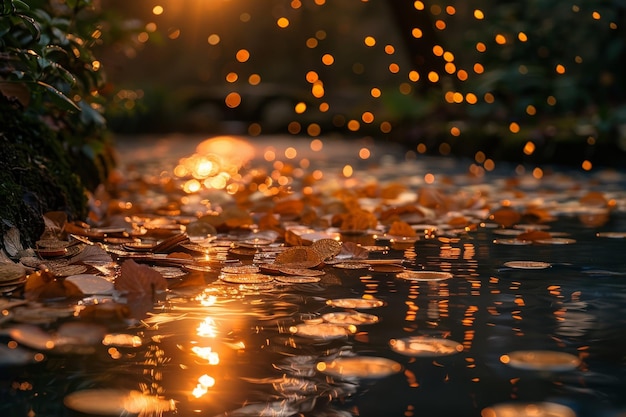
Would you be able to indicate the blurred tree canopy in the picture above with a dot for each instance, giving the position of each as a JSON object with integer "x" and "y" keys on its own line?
{"x": 467, "y": 74}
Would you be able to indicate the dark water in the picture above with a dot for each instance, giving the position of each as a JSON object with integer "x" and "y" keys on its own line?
{"x": 574, "y": 306}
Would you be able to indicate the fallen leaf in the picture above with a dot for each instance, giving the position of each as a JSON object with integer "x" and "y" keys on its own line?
{"x": 506, "y": 217}
{"x": 139, "y": 279}
{"x": 43, "y": 285}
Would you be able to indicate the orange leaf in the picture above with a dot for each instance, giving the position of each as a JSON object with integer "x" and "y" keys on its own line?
{"x": 136, "y": 278}
{"x": 506, "y": 217}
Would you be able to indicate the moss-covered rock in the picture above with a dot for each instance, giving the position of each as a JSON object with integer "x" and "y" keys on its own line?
{"x": 36, "y": 175}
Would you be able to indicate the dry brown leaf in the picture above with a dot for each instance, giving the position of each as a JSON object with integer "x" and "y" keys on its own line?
{"x": 43, "y": 285}
{"x": 396, "y": 213}
{"x": 506, "y": 217}
{"x": 400, "y": 228}
{"x": 392, "y": 191}
{"x": 327, "y": 248}
{"x": 533, "y": 235}
{"x": 594, "y": 199}
{"x": 351, "y": 250}
{"x": 432, "y": 198}
{"x": 358, "y": 220}
{"x": 289, "y": 207}
{"x": 537, "y": 215}
{"x": 300, "y": 256}
{"x": 139, "y": 279}
{"x": 293, "y": 239}
{"x": 458, "y": 221}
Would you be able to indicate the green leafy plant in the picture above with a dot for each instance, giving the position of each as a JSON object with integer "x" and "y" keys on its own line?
{"x": 52, "y": 128}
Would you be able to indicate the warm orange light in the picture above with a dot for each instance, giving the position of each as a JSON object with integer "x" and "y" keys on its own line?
{"x": 313, "y": 129}
{"x": 233, "y": 100}
{"x": 414, "y": 76}
{"x": 254, "y": 79}
{"x": 417, "y": 33}
{"x": 291, "y": 152}
{"x": 390, "y": 50}
{"x": 312, "y": 76}
{"x": 529, "y": 148}
{"x": 500, "y": 39}
{"x": 433, "y": 77}
{"x": 478, "y": 14}
{"x": 213, "y": 39}
{"x": 367, "y": 117}
{"x": 369, "y": 41}
{"x": 294, "y": 128}
{"x": 481, "y": 47}
{"x": 157, "y": 10}
{"x": 317, "y": 89}
{"x": 242, "y": 55}
{"x": 394, "y": 68}
{"x": 316, "y": 145}
{"x": 300, "y": 108}
{"x": 385, "y": 127}
{"x": 328, "y": 59}
{"x": 282, "y": 22}
{"x": 375, "y": 92}
{"x": 231, "y": 77}
{"x": 353, "y": 125}
{"x": 471, "y": 98}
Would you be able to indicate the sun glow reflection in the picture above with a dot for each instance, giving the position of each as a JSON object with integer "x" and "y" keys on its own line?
{"x": 207, "y": 328}
{"x": 206, "y": 353}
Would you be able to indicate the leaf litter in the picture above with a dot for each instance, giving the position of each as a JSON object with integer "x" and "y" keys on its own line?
{"x": 238, "y": 239}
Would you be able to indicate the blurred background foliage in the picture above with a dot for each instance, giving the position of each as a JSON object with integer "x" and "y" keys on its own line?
{"x": 533, "y": 81}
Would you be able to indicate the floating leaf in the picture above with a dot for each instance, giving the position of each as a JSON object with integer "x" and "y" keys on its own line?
{"x": 141, "y": 279}
{"x": 506, "y": 217}
{"x": 43, "y": 285}
{"x": 534, "y": 235}
{"x": 299, "y": 256}
{"x": 350, "y": 250}
{"x": 400, "y": 228}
